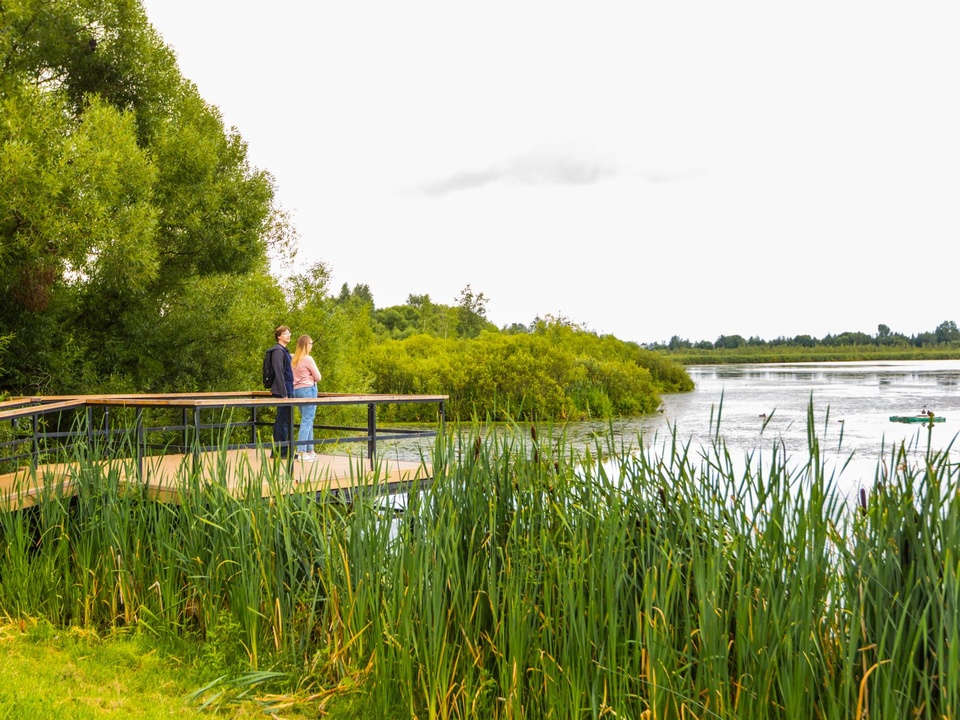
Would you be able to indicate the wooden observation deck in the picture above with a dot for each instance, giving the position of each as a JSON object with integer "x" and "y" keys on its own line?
{"x": 162, "y": 444}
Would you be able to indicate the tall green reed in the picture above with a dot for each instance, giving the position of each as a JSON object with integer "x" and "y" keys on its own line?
{"x": 531, "y": 578}
{"x": 900, "y": 577}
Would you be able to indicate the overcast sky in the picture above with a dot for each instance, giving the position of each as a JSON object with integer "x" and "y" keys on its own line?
{"x": 646, "y": 169}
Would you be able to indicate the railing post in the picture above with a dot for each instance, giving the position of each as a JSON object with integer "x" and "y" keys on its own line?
{"x": 372, "y": 434}
{"x": 35, "y": 426}
{"x": 196, "y": 440}
{"x": 186, "y": 426}
{"x": 141, "y": 441}
{"x": 253, "y": 425}
{"x": 291, "y": 437}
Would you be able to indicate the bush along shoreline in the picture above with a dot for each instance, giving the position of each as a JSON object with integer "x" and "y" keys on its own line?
{"x": 532, "y": 579}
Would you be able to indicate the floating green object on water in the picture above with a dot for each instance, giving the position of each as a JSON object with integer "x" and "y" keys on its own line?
{"x": 931, "y": 418}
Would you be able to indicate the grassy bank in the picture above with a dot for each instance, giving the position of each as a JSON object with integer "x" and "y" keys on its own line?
{"x": 73, "y": 673}
{"x": 532, "y": 580}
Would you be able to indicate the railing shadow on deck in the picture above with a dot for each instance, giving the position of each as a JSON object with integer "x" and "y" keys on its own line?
{"x": 47, "y": 429}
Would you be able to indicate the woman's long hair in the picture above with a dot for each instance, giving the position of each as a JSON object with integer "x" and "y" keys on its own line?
{"x": 303, "y": 349}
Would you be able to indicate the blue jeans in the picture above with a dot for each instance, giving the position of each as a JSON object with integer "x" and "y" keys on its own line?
{"x": 307, "y": 413}
{"x": 281, "y": 431}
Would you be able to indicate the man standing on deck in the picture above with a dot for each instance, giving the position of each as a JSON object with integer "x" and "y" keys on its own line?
{"x": 283, "y": 388}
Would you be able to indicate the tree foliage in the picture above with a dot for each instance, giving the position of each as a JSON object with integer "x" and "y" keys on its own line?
{"x": 136, "y": 244}
{"x": 420, "y": 315}
{"x": 947, "y": 332}
{"x": 556, "y": 372}
{"x": 134, "y": 235}
{"x": 471, "y": 313}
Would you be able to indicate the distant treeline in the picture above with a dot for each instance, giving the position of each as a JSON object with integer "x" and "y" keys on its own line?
{"x": 941, "y": 343}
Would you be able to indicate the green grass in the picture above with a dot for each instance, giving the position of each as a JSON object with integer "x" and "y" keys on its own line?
{"x": 531, "y": 579}
{"x": 48, "y": 672}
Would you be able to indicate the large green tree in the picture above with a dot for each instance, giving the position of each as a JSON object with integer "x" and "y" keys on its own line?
{"x": 134, "y": 235}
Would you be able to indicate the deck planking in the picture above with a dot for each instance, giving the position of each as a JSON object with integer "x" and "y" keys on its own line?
{"x": 165, "y": 477}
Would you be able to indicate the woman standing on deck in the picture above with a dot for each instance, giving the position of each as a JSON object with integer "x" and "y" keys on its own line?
{"x": 306, "y": 375}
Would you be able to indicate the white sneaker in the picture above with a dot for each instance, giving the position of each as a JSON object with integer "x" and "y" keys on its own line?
{"x": 308, "y": 457}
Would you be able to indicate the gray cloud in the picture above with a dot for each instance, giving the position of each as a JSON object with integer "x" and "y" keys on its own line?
{"x": 462, "y": 181}
{"x": 559, "y": 171}
{"x": 546, "y": 170}
{"x": 530, "y": 170}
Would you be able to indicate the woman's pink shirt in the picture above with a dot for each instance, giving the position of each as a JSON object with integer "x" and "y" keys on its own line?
{"x": 305, "y": 373}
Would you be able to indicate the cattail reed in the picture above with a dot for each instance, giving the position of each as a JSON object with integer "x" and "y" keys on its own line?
{"x": 533, "y": 579}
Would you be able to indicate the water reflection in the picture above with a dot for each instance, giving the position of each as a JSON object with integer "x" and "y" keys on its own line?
{"x": 766, "y": 406}
{"x": 756, "y": 409}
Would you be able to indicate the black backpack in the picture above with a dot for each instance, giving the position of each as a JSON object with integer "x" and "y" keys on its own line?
{"x": 268, "y": 374}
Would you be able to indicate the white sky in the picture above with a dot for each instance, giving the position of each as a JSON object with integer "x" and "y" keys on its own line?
{"x": 647, "y": 169}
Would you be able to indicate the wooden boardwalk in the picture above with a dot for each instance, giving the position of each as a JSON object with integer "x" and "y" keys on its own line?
{"x": 165, "y": 478}
{"x": 202, "y": 423}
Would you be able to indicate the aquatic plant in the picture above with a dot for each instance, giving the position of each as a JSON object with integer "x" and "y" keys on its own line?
{"x": 530, "y": 578}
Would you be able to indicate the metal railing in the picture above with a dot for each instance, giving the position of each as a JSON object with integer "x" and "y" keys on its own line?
{"x": 42, "y": 429}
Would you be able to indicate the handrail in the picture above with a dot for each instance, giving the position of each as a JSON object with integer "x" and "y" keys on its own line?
{"x": 266, "y": 400}
{"x": 34, "y": 409}
{"x": 193, "y": 404}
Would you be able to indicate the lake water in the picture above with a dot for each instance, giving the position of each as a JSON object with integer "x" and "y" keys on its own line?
{"x": 852, "y": 404}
